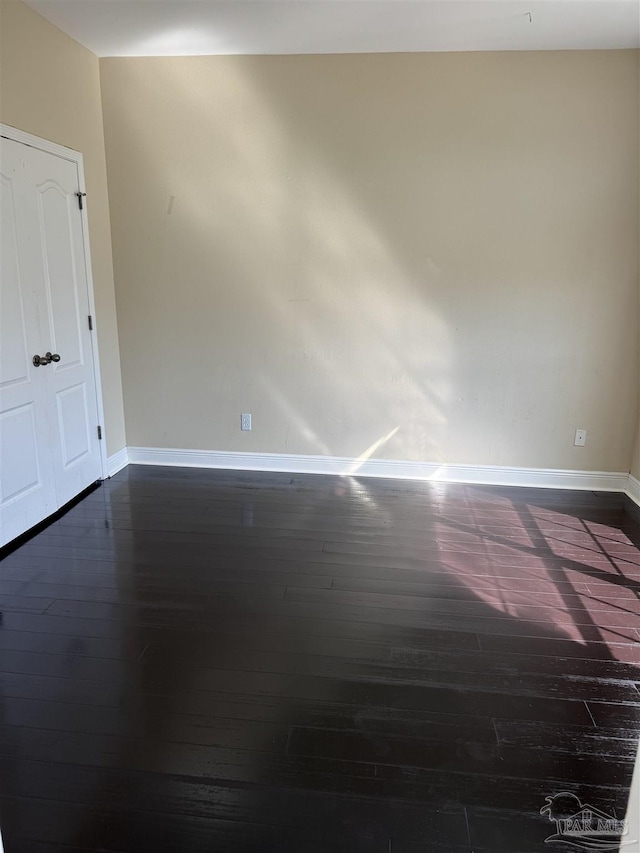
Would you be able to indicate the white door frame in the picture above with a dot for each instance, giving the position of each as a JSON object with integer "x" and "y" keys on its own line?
{"x": 75, "y": 157}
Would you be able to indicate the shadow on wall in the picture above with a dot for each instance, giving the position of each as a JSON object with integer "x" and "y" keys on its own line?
{"x": 287, "y": 237}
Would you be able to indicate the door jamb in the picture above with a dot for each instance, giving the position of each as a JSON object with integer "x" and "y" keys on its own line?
{"x": 16, "y": 135}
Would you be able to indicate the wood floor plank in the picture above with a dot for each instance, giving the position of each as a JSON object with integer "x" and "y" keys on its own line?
{"x": 235, "y": 802}
{"x": 482, "y": 759}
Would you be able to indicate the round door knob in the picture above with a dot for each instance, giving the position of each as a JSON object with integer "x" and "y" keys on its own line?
{"x": 42, "y": 360}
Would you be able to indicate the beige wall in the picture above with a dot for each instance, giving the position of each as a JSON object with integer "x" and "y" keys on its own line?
{"x": 420, "y": 256}
{"x": 414, "y": 256}
{"x": 635, "y": 462}
{"x": 50, "y": 86}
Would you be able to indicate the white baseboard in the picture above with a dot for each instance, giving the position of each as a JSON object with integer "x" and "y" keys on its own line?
{"x": 633, "y": 489}
{"x": 117, "y": 462}
{"x": 495, "y": 475}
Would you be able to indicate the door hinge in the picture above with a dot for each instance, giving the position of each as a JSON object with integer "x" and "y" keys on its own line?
{"x": 80, "y": 197}
{"x": 100, "y": 433}
{"x": 90, "y": 318}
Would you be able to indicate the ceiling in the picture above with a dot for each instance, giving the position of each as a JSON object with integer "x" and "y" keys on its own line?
{"x": 197, "y": 27}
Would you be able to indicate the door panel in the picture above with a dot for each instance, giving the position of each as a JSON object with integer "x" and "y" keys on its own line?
{"x": 14, "y": 359}
{"x": 20, "y": 471}
{"x": 60, "y": 274}
{"x": 49, "y": 448}
{"x": 72, "y": 424}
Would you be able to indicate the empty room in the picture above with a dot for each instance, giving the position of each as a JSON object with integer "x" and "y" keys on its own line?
{"x": 319, "y": 426}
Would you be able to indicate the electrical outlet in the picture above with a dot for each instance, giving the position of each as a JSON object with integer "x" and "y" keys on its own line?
{"x": 245, "y": 421}
{"x": 581, "y": 438}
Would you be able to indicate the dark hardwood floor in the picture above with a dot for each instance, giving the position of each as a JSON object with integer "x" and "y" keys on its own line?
{"x": 229, "y": 661}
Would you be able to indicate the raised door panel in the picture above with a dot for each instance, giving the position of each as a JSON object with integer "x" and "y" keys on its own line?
{"x": 14, "y": 355}
{"x": 73, "y": 425}
{"x": 20, "y": 471}
{"x": 60, "y": 274}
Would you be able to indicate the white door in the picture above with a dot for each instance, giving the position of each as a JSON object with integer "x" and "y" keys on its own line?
{"x": 49, "y": 447}
{"x": 73, "y": 406}
{"x": 27, "y": 490}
